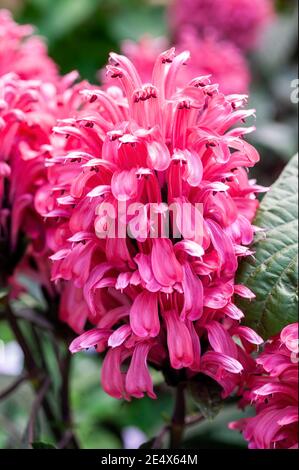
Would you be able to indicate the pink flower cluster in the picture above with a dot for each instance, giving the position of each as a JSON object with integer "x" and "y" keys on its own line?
{"x": 273, "y": 391}
{"x": 158, "y": 300}
{"x": 25, "y": 128}
{"x": 28, "y": 111}
{"x": 221, "y": 60}
{"x": 238, "y": 21}
{"x": 32, "y": 97}
{"x": 22, "y": 53}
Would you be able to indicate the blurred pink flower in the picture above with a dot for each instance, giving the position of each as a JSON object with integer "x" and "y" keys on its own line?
{"x": 221, "y": 60}
{"x": 22, "y": 53}
{"x": 218, "y": 58}
{"x": 162, "y": 301}
{"x": 143, "y": 54}
{"x": 273, "y": 391}
{"x": 239, "y": 21}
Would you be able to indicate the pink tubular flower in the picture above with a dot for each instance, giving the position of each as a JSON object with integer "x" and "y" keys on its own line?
{"x": 165, "y": 301}
{"x": 22, "y": 53}
{"x": 220, "y": 60}
{"x": 273, "y": 391}
{"x": 239, "y": 21}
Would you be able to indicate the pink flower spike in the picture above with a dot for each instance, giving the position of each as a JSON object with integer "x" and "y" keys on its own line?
{"x": 272, "y": 389}
{"x": 164, "y": 293}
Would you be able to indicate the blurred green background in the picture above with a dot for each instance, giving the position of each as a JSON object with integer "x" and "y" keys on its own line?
{"x": 80, "y": 34}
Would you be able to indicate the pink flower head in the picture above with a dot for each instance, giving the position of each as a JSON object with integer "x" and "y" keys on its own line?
{"x": 273, "y": 391}
{"x": 22, "y": 53}
{"x": 166, "y": 300}
{"x": 220, "y": 60}
{"x": 239, "y": 21}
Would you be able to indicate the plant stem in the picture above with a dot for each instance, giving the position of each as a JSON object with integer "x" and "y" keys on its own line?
{"x": 28, "y": 358}
{"x": 11, "y": 388}
{"x": 158, "y": 442}
{"x": 178, "y": 418}
{"x": 33, "y": 371}
{"x": 65, "y": 368}
{"x": 35, "y": 408}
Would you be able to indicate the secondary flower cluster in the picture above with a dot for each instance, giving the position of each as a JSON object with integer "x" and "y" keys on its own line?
{"x": 239, "y": 21}
{"x": 273, "y": 391}
{"x": 32, "y": 97}
{"x": 222, "y": 60}
{"x": 216, "y": 33}
{"x": 28, "y": 111}
{"x": 160, "y": 300}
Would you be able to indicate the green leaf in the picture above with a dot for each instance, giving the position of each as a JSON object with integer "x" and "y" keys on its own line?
{"x": 132, "y": 23}
{"x": 63, "y": 16}
{"x": 272, "y": 273}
